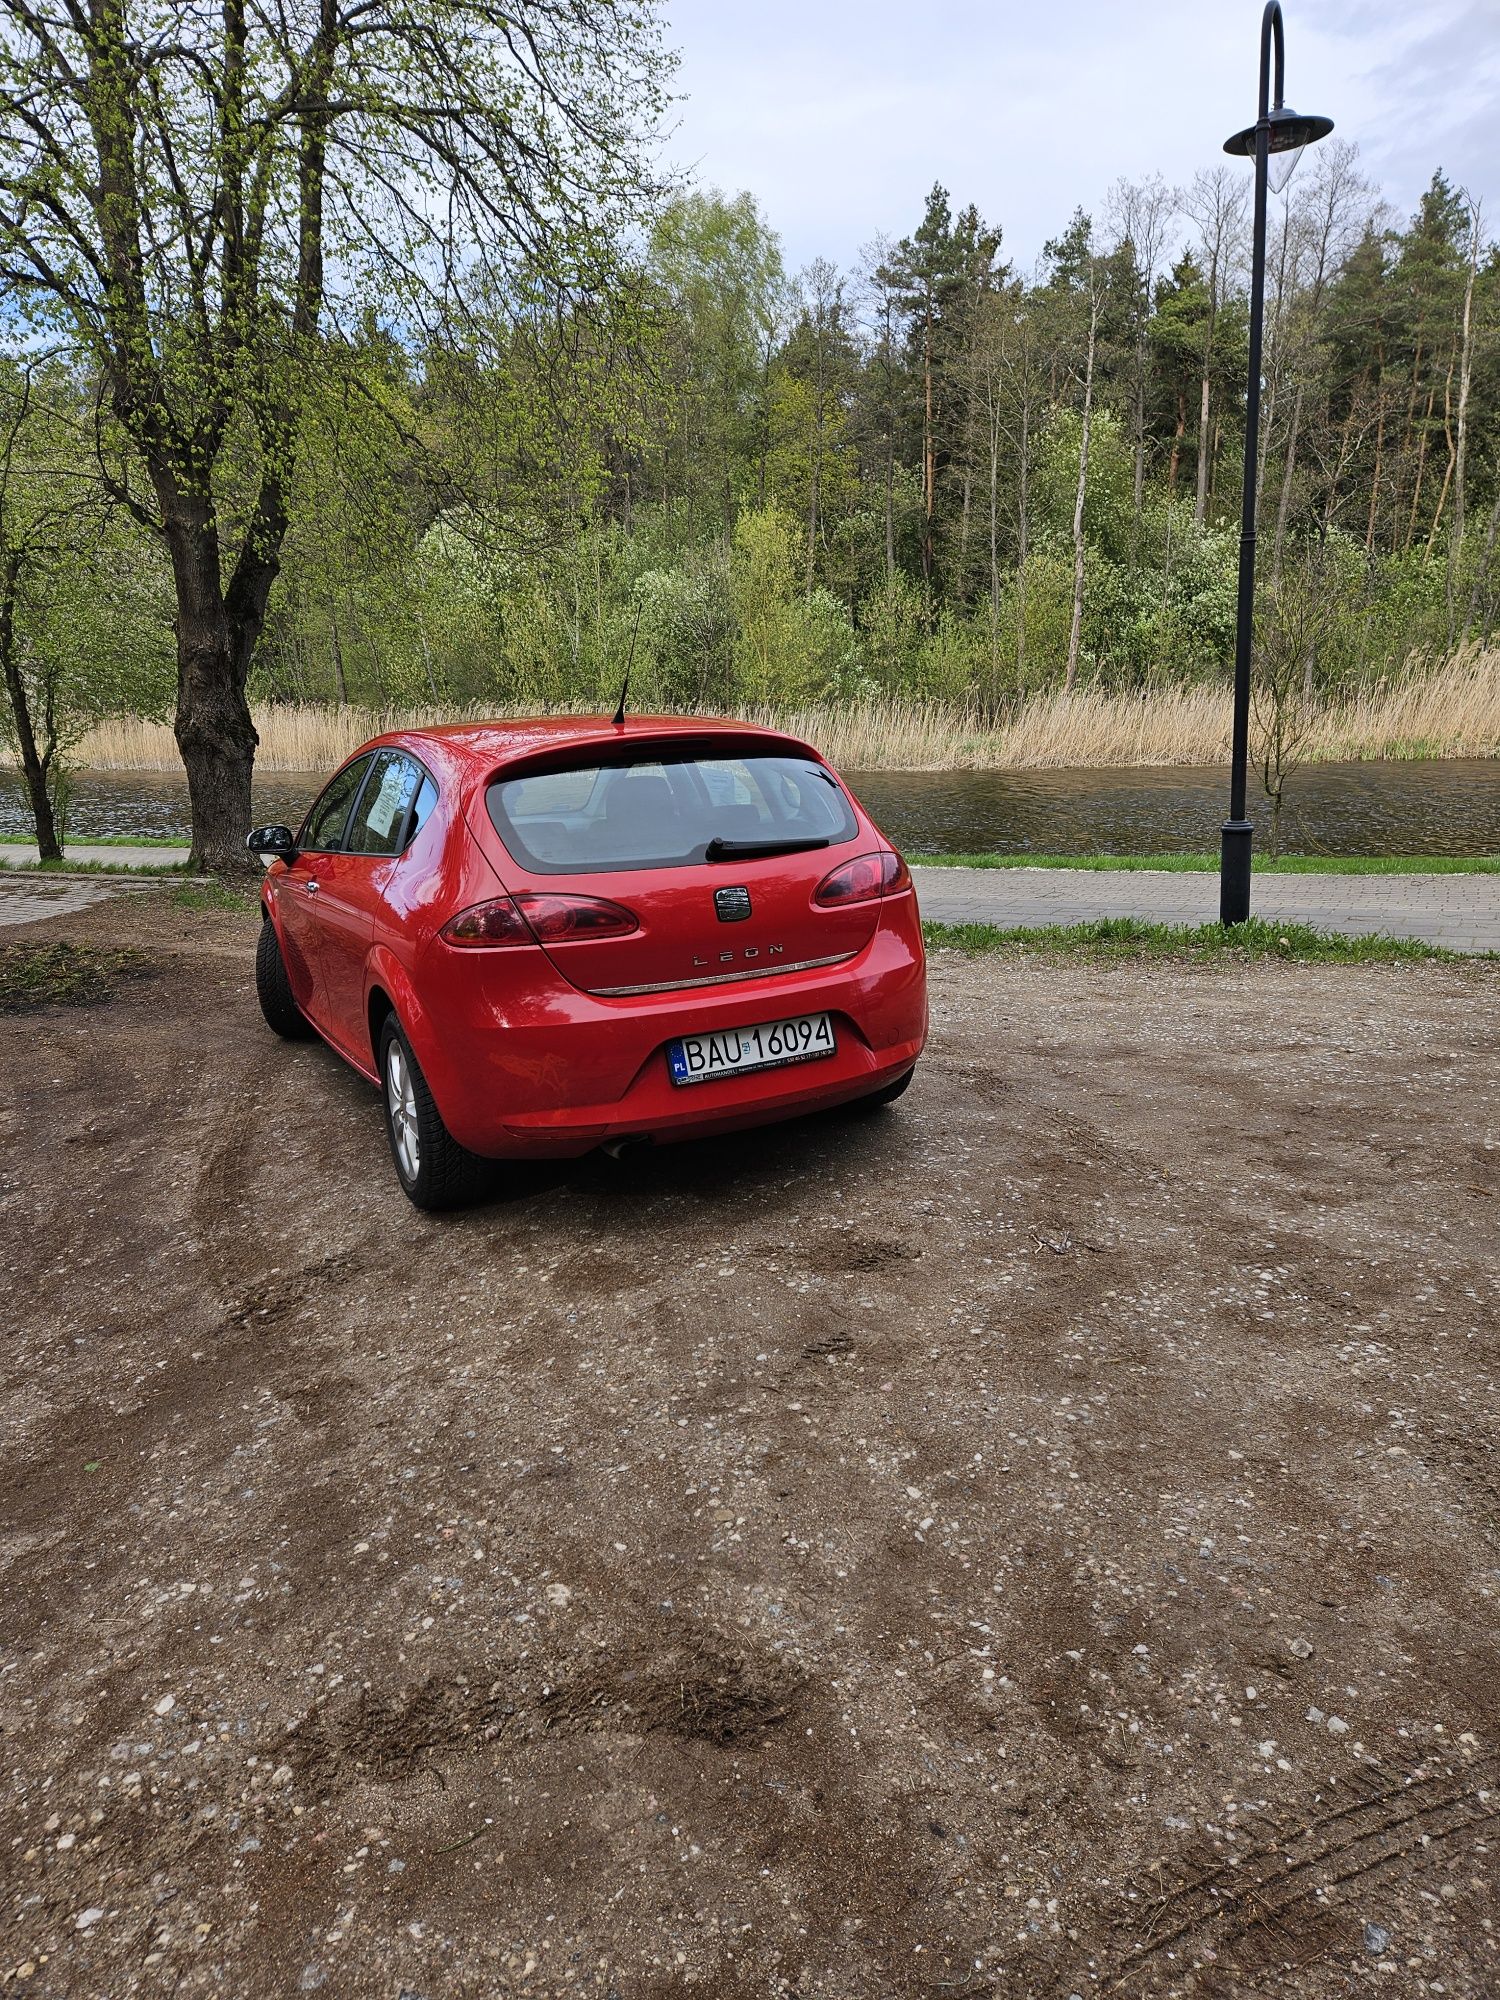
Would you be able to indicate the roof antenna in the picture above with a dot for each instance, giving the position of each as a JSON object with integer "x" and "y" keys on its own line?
{"x": 618, "y": 718}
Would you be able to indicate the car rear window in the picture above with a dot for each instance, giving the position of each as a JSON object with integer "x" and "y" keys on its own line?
{"x": 662, "y": 813}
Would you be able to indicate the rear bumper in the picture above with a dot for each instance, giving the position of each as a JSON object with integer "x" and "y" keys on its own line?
{"x": 523, "y": 1064}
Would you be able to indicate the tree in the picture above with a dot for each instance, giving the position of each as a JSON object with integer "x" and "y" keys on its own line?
{"x": 1079, "y": 273}
{"x": 1141, "y": 213}
{"x": 1460, "y": 449}
{"x": 192, "y": 198}
{"x": 881, "y": 305}
{"x": 812, "y": 457}
{"x": 1216, "y": 201}
{"x": 1296, "y": 623}
{"x": 81, "y": 613}
{"x": 718, "y": 270}
{"x": 1178, "y": 335}
{"x": 1009, "y": 382}
{"x": 936, "y": 274}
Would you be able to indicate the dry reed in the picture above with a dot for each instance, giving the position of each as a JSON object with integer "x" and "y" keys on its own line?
{"x": 1451, "y": 710}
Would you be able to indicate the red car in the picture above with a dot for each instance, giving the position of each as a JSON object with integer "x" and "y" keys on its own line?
{"x": 541, "y": 937}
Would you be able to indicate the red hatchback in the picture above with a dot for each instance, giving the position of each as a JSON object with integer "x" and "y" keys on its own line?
{"x": 541, "y": 937}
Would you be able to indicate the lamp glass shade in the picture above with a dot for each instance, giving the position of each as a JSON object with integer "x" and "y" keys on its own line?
{"x": 1281, "y": 166}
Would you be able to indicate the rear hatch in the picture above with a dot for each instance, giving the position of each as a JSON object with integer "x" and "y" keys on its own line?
{"x": 682, "y": 833}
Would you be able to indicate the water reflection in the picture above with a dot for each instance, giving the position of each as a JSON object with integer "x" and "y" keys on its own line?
{"x": 1448, "y": 807}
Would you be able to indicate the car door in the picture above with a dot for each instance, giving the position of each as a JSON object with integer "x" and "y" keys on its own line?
{"x": 352, "y": 889}
{"x": 301, "y": 888}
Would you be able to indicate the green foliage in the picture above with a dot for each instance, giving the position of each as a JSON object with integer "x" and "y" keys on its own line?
{"x": 788, "y": 648}
{"x": 627, "y": 434}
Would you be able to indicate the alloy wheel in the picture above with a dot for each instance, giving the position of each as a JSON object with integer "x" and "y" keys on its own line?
{"x": 401, "y": 1103}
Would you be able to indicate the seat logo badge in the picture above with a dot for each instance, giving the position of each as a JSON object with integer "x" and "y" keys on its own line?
{"x": 732, "y": 905}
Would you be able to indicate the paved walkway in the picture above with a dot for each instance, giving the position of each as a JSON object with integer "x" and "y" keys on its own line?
{"x": 26, "y": 899}
{"x": 1461, "y": 912}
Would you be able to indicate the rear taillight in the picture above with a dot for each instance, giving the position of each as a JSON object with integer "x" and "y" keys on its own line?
{"x": 566, "y": 919}
{"x": 539, "y": 920}
{"x": 494, "y": 923}
{"x": 862, "y": 880}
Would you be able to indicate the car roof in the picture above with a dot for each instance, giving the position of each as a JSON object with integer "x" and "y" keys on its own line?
{"x": 480, "y": 748}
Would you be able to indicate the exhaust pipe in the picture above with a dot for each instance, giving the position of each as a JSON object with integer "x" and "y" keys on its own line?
{"x": 631, "y": 1146}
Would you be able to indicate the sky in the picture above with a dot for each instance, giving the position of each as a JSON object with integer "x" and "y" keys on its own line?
{"x": 838, "y": 117}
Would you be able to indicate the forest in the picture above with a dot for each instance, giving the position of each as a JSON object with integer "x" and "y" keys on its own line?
{"x": 936, "y": 478}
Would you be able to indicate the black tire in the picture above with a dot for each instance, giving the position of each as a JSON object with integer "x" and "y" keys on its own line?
{"x": 274, "y": 990}
{"x": 888, "y": 1093}
{"x": 443, "y": 1174}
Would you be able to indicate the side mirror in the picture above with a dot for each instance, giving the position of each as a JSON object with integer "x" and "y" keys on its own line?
{"x": 273, "y": 843}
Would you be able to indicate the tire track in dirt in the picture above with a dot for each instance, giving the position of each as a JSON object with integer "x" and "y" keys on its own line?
{"x": 691, "y": 1686}
{"x": 1267, "y": 1902}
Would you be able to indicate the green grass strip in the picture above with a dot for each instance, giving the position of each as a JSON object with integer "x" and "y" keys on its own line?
{"x": 111, "y": 840}
{"x": 1116, "y": 938}
{"x": 1208, "y": 864}
{"x": 149, "y": 872}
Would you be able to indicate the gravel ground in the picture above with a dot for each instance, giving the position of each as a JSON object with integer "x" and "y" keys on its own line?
{"x": 1040, "y": 1539}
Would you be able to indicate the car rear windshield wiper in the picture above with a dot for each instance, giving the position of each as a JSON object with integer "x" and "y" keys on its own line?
{"x": 719, "y": 849}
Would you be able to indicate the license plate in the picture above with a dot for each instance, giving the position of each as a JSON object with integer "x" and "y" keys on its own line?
{"x": 735, "y": 1051}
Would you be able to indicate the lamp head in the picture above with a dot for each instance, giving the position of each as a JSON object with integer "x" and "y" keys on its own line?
{"x": 1289, "y": 132}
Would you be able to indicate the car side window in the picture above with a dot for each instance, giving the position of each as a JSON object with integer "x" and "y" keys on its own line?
{"x": 323, "y": 829}
{"x": 379, "y": 825}
{"x": 422, "y": 805}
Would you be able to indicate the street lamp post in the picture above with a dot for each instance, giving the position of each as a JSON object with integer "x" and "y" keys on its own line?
{"x": 1278, "y": 129}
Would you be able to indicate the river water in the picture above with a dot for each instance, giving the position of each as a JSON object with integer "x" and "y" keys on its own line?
{"x": 1447, "y": 807}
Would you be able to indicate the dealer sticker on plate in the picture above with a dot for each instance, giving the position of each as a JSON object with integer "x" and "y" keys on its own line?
{"x": 733, "y": 1051}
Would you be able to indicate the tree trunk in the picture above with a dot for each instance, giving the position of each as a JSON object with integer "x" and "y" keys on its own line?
{"x": 890, "y": 502}
{"x": 338, "y": 659}
{"x": 214, "y": 732}
{"x": 1200, "y": 504}
{"x": 929, "y": 456}
{"x": 1442, "y": 499}
{"x": 1177, "y": 437}
{"x": 1288, "y": 473}
{"x": 1023, "y": 538}
{"x": 814, "y": 498}
{"x": 1461, "y": 449}
{"x": 1076, "y": 627}
{"x": 34, "y": 762}
{"x": 1416, "y": 498}
{"x": 1481, "y": 573}
{"x": 994, "y": 441}
{"x": 1379, "y": 454}
{"x": 1138, "y": 483}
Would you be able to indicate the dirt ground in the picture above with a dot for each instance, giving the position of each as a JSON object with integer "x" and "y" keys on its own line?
{"x": 1041, "y": 1539}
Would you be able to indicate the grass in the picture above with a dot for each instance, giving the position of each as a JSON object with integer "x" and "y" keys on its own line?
{"x": 1208, "y": 864}
{"x": 1450, "y": 710}
{"x": 108, "y": 840}
{"x": 61, "y": 974}
{"x": 151, "y": 872}
{"x": 1128, "y": 938}
{"x": 212, "y": 895}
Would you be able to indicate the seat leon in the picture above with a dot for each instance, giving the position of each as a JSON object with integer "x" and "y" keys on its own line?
{"x": 541, "y": 937}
